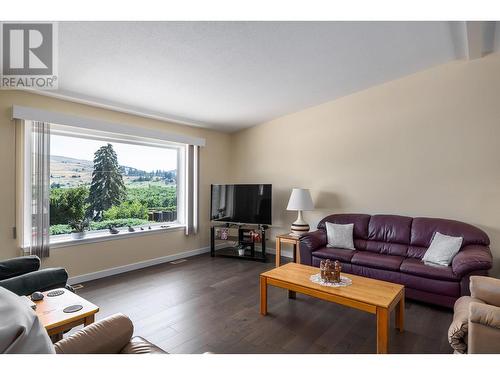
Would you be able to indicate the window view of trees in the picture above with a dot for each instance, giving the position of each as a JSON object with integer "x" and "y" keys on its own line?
{"x": 102, "y": 194}
{"x": 107, "y": 188}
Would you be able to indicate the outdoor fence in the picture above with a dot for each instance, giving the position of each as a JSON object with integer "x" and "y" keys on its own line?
{"x": 162, "y": 216}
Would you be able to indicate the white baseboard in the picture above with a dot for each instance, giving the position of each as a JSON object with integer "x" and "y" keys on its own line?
{"x": 135, "y": 266}
{"x": 152, "y": 262}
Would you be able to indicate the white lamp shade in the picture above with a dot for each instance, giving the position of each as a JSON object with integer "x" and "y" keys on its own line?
{"x": 300, "y": 199}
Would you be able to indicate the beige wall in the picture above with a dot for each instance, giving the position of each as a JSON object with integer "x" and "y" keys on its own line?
{"x": 424, "y": 145}
{"x": 93, "y": 257}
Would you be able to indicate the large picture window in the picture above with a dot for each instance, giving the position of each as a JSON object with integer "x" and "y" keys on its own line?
{"x": 108, "y": 186}
{"x": 94, "y": 180}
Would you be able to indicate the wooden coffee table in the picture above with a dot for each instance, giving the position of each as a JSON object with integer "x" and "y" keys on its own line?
{"x": 370, "y": 295}
{"x": 56, "y": 321}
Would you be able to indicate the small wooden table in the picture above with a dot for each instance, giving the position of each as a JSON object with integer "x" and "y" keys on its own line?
{"x": 56, "y": 321}
{"x": 370, "y": 295}
{"x": 291, "y": 239}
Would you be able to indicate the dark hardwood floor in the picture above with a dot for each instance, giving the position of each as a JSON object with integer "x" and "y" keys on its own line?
{"x": 212, "y": 304}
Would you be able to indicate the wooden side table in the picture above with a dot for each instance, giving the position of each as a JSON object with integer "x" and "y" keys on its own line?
{"x": 56, "y": 321}
{"x": 291, "y": 239}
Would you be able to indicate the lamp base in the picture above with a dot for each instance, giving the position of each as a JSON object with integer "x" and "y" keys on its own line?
{"x": 299, "y": 226}
{"x": 300, "y": 229}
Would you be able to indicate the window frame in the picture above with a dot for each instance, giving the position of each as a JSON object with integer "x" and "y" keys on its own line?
{"x": 65, "y": 240}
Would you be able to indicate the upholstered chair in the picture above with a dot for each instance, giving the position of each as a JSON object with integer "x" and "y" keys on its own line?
{"x": 23, "y": 276}
{"x": 22, "y": 333}
{"x": 476, "y": 320}
{"x": 111, "y": 335}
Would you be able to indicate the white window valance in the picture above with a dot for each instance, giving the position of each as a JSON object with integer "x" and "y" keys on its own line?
{"x": 36, "y": 114}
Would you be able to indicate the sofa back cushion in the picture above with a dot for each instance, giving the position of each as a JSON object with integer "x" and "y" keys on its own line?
{"x": 360, "y": 222}
{"x": 389, "y": 234}
{"x": 403, "y": 235}
{"x": 423, "y": 229}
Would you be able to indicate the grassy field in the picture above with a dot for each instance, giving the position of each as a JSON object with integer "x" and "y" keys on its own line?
{"x": 68, "y": 173}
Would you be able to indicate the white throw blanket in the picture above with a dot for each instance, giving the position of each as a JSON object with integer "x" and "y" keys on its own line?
{"x": 20, "y": 329}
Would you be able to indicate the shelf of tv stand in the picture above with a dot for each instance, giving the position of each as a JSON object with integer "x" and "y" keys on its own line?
{"x": 232, "y": 252}
{"x": 241, "y": 239}
{"x": 229, "y": 239}
{"x": 233, "y": 239}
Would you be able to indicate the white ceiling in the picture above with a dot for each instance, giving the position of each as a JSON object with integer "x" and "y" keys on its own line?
{"x": 232, "y": 75}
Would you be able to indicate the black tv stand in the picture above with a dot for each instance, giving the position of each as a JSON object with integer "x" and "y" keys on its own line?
{"x": 243, "y": 242}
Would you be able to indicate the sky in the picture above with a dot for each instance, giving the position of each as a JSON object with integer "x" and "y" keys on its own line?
{"x": 140, "y": 157}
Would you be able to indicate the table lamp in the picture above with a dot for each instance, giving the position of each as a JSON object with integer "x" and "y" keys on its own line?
{"x": 300, "y": 200}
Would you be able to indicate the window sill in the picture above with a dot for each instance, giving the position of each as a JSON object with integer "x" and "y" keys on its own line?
{"x": 101, "y": 236}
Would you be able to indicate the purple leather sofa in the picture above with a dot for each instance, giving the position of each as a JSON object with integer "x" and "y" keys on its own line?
{"x": 390, "y": 247}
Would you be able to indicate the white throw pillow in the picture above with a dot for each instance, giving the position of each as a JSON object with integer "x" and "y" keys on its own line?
{"x": 340, "y": 235}
{"x": 442, "y": 250}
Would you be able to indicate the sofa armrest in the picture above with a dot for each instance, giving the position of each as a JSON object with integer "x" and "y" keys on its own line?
{"x": 487, "y": 315}
{"x": 310, "y": 242}
{"x": 46, "y": 279}
{"x": 472, "y": 258}
{"x": 459, "y": 327}
{"x": 18, "y": 266}
{"x": 486, "y": 289}
{"x": 139, "y": 345}
{"x": 484, "y": 328}
{"x": 107, "y": 336}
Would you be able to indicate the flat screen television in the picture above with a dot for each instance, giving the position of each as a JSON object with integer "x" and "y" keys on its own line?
{"x": 241, "y": 203}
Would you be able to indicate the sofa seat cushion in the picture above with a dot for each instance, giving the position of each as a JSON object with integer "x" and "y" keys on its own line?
{"x": 375, "y": 260}
{"x": 376, "y": 273}
{"x": 426, "y": 284}
{"x": 417, "y": 267}
{"x": 334, "y": 253}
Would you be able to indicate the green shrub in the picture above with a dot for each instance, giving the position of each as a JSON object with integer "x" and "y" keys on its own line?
{"x": 153, "y": 196}
{"x": 98, "y": 225}
{"x": 60, "y": 229}
{"x": 71, "y": 204}
{"x": 168, "y": 209}
{"x": 68, "y": 204}
{"x": 126, "y": 210}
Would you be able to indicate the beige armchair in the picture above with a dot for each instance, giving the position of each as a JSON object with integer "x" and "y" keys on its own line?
{"x": 476, "y": 320}
{"x": 112, "y": 335}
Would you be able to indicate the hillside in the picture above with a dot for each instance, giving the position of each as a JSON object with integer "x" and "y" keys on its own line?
{"x": 68, "y": 172}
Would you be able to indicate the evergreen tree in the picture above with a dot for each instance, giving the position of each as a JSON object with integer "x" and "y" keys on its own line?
{"x": 107, "y": 187}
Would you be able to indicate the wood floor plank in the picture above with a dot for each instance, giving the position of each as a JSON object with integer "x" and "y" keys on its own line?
{"x": 212, "y": 304}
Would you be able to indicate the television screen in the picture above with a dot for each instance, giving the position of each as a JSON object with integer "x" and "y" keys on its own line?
{"x": 245, "y": 204}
